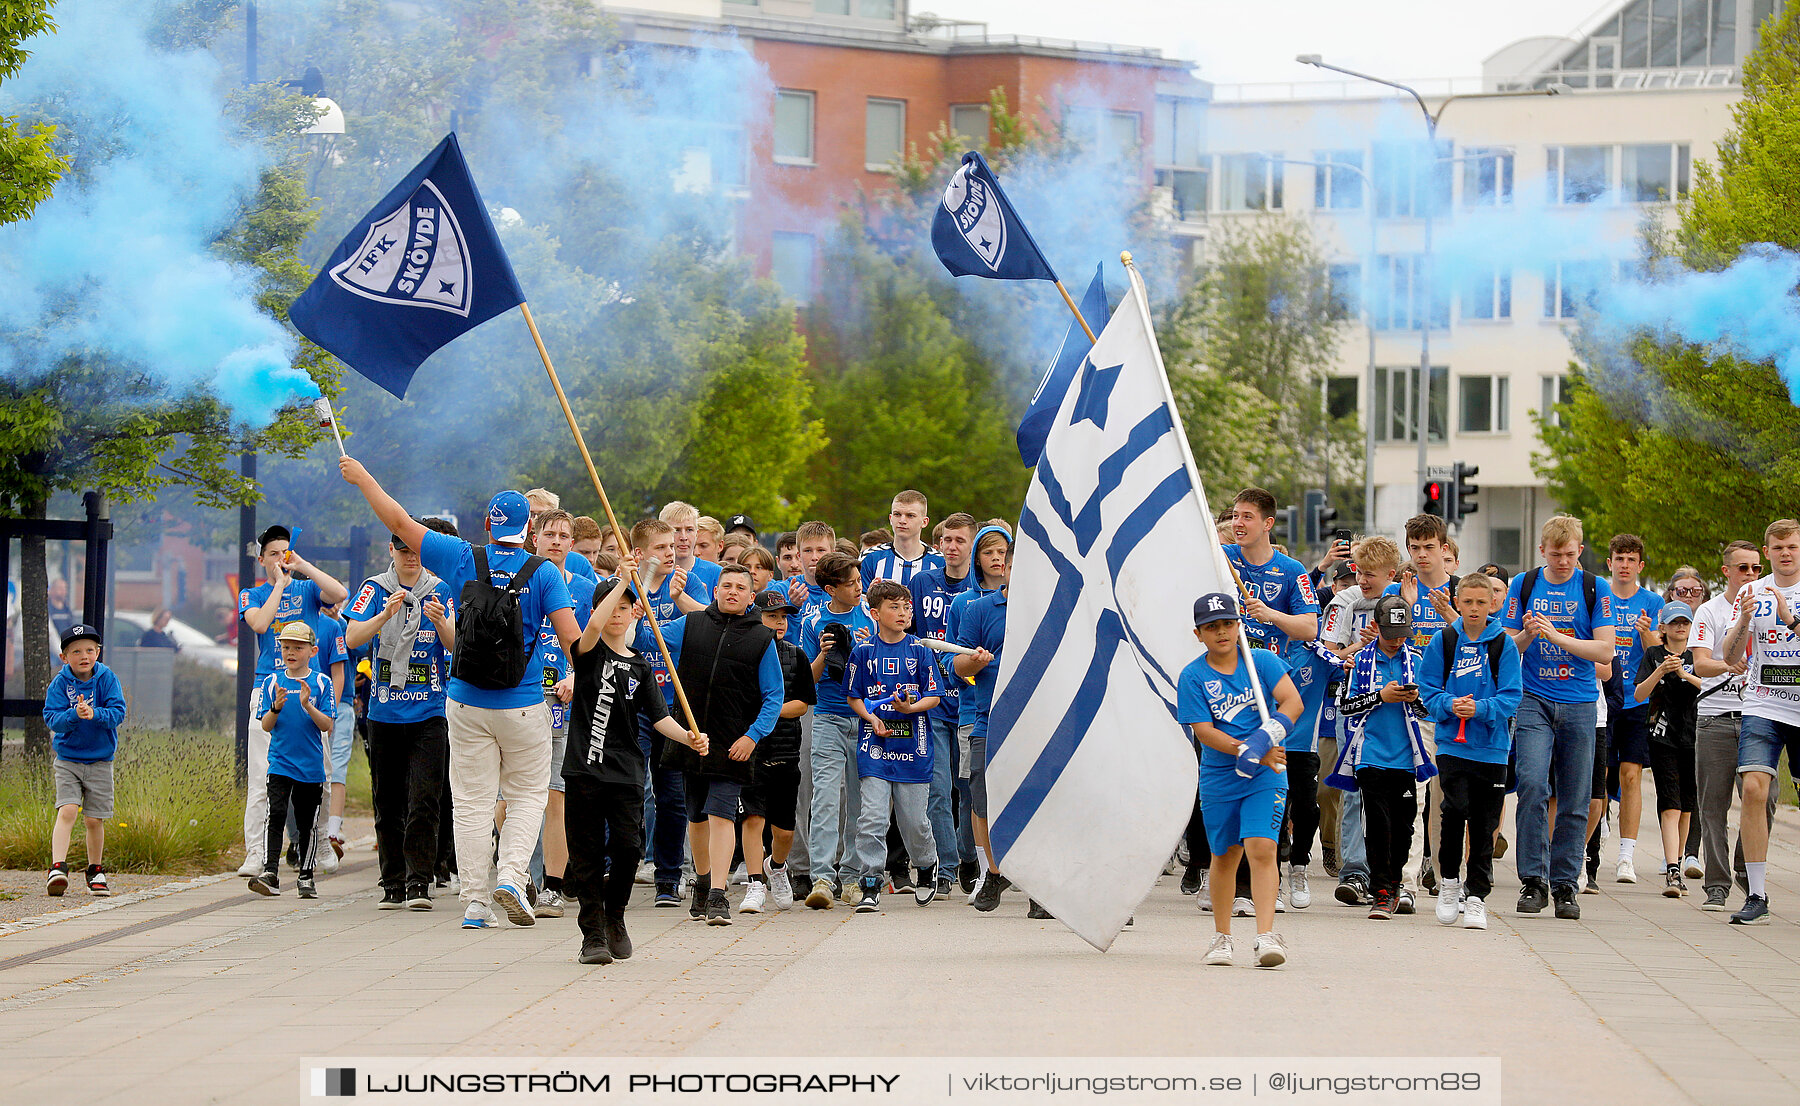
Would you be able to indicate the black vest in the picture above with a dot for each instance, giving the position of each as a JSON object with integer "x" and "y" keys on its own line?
{"x": 720, "y": 658}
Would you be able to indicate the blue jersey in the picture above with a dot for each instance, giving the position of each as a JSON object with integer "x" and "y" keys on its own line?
{"x": 965, "y": 704}
{"x": 1552, "y": 673}
{"x": 333, "y": 650}
{"x": 703, "y": 577}
{"x": 578, "y": 565}
{"x": 1425, "y": 618}
{"x": 296, "y": 747}
{"x": 1227, "y": 702}
{"x": 549, "y": 650}
{"x": 861, "y": 629}
{"x": 452, "y": 560}
{"x": 1627, "y": 646}
{"x": 299, "y": 603}
{"x": 882, "y": 563}
{"x": 932, "y": 592}
{"x": 981, "y": 624}
{"x": 879, "y": 669}
{"x": 1312, "y": 675}
{"x": 421, "y": 696}
{"x": 1283, "y": 584}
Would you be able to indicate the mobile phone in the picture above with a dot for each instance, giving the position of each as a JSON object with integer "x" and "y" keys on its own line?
{"x": 1409, "y": 687}
{"x": 1340, "y": 535}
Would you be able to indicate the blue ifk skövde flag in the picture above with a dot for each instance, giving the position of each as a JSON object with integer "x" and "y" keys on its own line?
{"x": 421, "y": 269}
{"x": 976, "y": 232}
{"x": 1090, "y": 778}
{"x": 1035, "y": 426}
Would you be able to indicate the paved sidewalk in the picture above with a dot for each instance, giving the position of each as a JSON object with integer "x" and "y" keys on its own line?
{"x": 210, "y": 993}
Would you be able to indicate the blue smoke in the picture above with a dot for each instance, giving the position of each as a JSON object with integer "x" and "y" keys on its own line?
{"x": 117, "y": 267}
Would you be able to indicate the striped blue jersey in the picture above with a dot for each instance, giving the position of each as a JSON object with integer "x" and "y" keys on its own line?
{"x": 882, "y": 563}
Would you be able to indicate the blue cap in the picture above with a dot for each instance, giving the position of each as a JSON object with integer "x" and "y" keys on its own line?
{"x": 509, "y": 517}
{"x": 1216, "y": 607}
{"x": 1674, "y": 610}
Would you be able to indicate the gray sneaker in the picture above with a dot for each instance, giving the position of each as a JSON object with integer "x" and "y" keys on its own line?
{"x": 550, "y": 904}
{"x": 1715, "y": 899}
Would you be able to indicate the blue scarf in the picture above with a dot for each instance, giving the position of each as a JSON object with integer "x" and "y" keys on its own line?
{"x": 1362, "y": 682}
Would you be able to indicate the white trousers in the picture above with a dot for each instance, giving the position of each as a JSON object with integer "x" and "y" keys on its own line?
{"x": 494, "y": 751}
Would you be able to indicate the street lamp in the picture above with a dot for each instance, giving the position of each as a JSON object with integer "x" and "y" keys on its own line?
{"x": 1422, "y": 398}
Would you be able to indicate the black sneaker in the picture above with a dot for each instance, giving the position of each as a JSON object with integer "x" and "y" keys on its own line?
{"x": 1593, "y": 875}
{"x": 1403, "y": 902}
{"x": 594, "y": 950}
{"x": 1190, "y": 882}
{"x": 265, "y": 883}
{"x": 1328, "y": 857}
{"x": 1566, "y": 906}
{"x": 1533, "y": 896}
{"x": 993, "y": 885}
{"x": 697, "y": 896}
{"x": 666, "y": 896}
{"x": 303, "y": 886}
{"x": 718, "y": 908}
{"x": 391, "y": 899}
{"x": 945, "y": 885}
{"x": 58, "y": 880}
{"x": 871, "y": 895}
{"x": 1037, "y": 912}
{"x": 1715, "y": 899}
{"x": 966, "y": 874}
{"x": 293, "y": 857}
{"x": 1381, "y": 908}
{"x": 1754, "y": 912}
{"x": 1673, "y": 885}
{"x": 1427, "y": 879}
{"x": 926, "y": 888}
{"x": 618, "y": 942}
{"x": 899, "y": 882}
{"x": 1352, "y": 890}
{"x": 418, "y": 897}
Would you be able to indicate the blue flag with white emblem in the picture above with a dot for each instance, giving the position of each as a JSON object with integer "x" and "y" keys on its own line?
{"x": 1090, "y": 778}
{"x": 1035, "y": 426}
{"x": 421, "y": 269}
{"x": 976, "y": 232}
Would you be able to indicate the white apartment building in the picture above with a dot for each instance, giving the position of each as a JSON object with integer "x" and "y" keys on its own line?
{"x": 1644, "y": 92}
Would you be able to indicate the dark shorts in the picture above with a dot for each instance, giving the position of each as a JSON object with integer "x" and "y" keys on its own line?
{"x": 1602, "y": 756}
{"x": 1631, "y": 735}
{"x": 711, "y": 796}
{"x": 1676, "y": 785}
{"x": 773, "y": 793}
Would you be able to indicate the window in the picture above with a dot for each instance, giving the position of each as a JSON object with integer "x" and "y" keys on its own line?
{"x": 1484, "y": 405}
{"x": 793, "y": 127}
{"x": 1579, "y": 174}
{"x": 1340, "y": 396}
{"x": 875, "y": 9}
{"x": 1653, "y": 174}
{"x": 1487, "y": 294}
{"x": 1119, "y": 140}
{"x": 831, "y": 7}
{"x": 1343, "y": 284}
{"x": 1407, "y": 176}
{"x": 1395, "y": 407}
{"x": 1724, "y": 32}
{"x": 884, "y": 134}
{"x": 1249, "y": 182}
{"x": 1552, "y": 391}
{"x": 1397, "y": 296}
{"x": 1487, "y": 178}
{"x": 1187, "y": 191}
{"x": 1504, "y": 544}
{"x": 791, "y": 264}
{"x": 1572, "y": 285}
{"x": 1178, "y": 136}
{"x": 971, "y": 122}
{"x": 1337, "y": 182}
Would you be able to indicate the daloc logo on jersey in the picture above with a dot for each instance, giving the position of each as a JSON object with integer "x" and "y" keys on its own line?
{"x": 415, "y": 255}
{"x": 971, "y": 204}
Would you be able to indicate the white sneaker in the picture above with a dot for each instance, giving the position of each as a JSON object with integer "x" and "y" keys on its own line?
{"x": 1243, "y": 908}
{"x": 755, "y": 896}
{"x": 1299, "y": 894}
{"x": 1626, "y": 871}
{"x": 479, "y": 915}
{"x": 1205, "y": 901}
{"x": 1219, "y": 954}
{"x": 1474, "y": 913}
{"x": 740, "y": 876}
{"x": 1270, "y": 952}
{"x": 781, "y": 892}
{"x": 646, "y": 874}
{"x": 1449, "y": 903}
{"x": 1692, "y": 868}
{"x": 328, "y": 860}
{"x": 976, "y": 890}
{"x": 250, "y": 867}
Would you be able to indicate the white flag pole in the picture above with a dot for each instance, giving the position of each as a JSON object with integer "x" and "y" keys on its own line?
{"x": 328, "y": 417}
{"x": 1187, "y": 457}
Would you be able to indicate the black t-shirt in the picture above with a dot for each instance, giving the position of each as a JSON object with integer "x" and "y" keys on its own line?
{"x": 1672, "y": 701}
{"x": 611, "y": 691}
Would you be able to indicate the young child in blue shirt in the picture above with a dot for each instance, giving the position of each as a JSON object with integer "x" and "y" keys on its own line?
{"x": 1243, "y": 779}
{"x": 297, "y": 710}
{"x": 84, "y": 709}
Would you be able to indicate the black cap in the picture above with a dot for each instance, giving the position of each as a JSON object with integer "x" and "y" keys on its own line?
{"x": 1393, "y": 617}
{"x": 275, "y": 533}
{"x": 775, "y": 601}
{"x": 739, "y": 522}
{"x": 1345, "y": 571}
{"x": 78, "y": 632}
{"x": 1214, "y": 607}
{"x": 606, "y": 587}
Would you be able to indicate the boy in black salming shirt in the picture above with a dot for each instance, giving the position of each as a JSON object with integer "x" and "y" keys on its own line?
{"x": 603, "y": 769}
{"x": 1667, "y": 682}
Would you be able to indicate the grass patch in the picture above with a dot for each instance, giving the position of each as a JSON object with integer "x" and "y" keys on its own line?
{"x": 178, "y": 807}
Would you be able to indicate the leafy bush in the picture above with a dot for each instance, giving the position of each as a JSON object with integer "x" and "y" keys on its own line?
{"x": 204, "y": 698}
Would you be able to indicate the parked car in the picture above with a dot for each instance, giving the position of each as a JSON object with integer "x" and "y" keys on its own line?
{"x": 129, "y": 626}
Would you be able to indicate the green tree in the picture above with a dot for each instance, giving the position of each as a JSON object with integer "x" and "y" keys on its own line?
{"x": 29, "y": 163}
{"x": 1683, "y": 446}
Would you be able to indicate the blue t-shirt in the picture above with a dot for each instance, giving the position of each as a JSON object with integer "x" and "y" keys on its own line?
{"x": 882, "y": 563}
{"x": 816, "y": 597}
{"x": 1228, "y": 704}
{"x": 1425, "y": 617}
{"x": 878, "y": 669}
{"x": 703, "y": 578}
{"x": 965, "y": 703}
{"x": 299, "y": 603}
{"x": 1552, "y": 673}
{"x": 932, "y": 592}
{"x": 981, "y": 624}
{"x": 1626, "y": 645}
{"x": 452, "y": 560}
{"x": 296, "y": 748}
{"x": 1386, "y": 741}
{"x": 553, "y": 664}
{"x": 1283, "y": 584}
{"x": 334, "y": 650}
{"x": 862, "y": 628}
{"x": 1312, "y": 676}
{"x": 578, "y": 564}
{"x": 427, "y": 669}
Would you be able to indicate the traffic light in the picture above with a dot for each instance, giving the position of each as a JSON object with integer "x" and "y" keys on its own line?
{"x": 1287, "y": 525}
{"x": 1462, "y": 492}
{"x": 1431, "y": 498}
{"x": 1319, "y": 517}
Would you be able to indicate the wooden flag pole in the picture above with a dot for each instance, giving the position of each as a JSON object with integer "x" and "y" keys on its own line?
{"x": 587, "y": 458}
{"x": 1085, "y": 328}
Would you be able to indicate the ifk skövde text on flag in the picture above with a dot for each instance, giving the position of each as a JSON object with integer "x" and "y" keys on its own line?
{"x": 1035, "y": 426}
{"x": 421, "y": 269}
{"x": 976, "y": 232}
{"x": 1090, "y": 778}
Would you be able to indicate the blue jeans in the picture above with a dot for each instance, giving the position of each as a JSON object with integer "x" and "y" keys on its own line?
{"x": 943, "y": 776}
{"x": 836, "y": 797}
{"x": 1554, "y": 755}
{"x": 1353, "y": 852}
{"x": 665, "y": 808}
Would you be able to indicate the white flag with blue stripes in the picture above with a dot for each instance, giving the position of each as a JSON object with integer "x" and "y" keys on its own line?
{"x": 1090, "y": 779}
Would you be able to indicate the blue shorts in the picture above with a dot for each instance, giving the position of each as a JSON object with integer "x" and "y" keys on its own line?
{"x": 1230, "y": 820}
{"x": 1760, "y": 741}
{"x": 343, "y": 738}
{"x": 711, "y": 796}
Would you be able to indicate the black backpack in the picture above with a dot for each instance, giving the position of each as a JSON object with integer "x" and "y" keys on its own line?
{"x": 1449, "y": 640}
{"x": 491, "y": 652}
